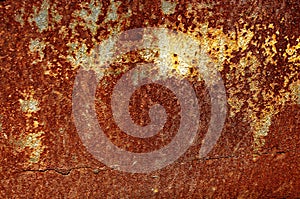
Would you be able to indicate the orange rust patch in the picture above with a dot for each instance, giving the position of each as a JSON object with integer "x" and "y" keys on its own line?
{"x": 255, "y": 45}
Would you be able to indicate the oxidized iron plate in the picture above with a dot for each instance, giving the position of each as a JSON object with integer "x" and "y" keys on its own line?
{"x": 150, "y": 99}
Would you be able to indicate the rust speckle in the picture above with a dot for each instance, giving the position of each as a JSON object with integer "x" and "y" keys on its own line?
{"x": 254, "y": 45}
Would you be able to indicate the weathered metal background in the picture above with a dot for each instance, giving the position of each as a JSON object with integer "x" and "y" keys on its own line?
{"x": 256, "y": 46}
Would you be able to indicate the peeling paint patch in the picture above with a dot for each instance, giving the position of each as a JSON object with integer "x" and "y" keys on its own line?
{"x": 77, "y": 54}
{"x": 168, "y": 7}
{"x": 29, "y": 106}
{"x": 37, "y": 46}
{"x": 176, "y": 64}
{"x": 112, "y": 11}
{"x": 41, "y": 17}
{"x": 90, "y": 16}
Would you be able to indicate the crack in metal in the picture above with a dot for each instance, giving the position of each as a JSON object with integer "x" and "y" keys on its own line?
{"x": 96, "y": 170}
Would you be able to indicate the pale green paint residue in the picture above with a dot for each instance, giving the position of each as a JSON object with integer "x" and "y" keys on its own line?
{"x": 168, "y": 7}
{"x": 78, "y": 57}
{"x": 112, "y": 11}
{"x": 77, "y": 54}
{"x": 41, "y": 17}
{"x": 38, "y": 46}
{"x": 90, "y": 16}
{"x": 29, "y": 106}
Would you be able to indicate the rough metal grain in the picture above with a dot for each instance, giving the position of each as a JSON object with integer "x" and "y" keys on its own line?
{"x": 254, "y": 43}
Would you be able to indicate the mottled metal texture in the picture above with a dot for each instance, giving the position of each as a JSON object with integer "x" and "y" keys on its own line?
{"x": 256, "y": 45}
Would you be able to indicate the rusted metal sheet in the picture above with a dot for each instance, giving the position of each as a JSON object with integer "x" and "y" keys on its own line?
{"x": 54, "y": 87}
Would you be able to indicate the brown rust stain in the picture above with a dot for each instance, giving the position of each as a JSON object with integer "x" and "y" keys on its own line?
{"x": 255, "y": 45}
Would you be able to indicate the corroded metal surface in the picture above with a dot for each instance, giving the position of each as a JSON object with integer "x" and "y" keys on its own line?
{"x": 254, "y": 45}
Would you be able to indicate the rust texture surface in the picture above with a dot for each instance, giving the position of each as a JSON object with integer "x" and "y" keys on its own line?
{"x": 253, "y": 45}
